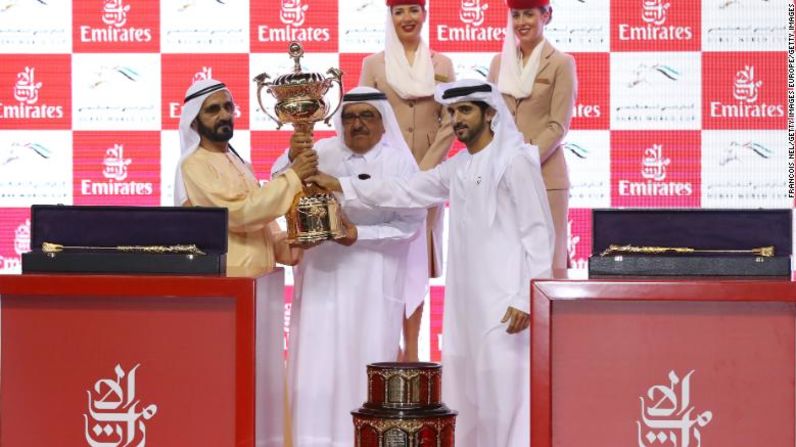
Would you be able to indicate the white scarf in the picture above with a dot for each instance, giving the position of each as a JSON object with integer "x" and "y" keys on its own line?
{"x": 189, "y": 137}
{"x": 409, "y": 81}
{"x": 514, "y": 79}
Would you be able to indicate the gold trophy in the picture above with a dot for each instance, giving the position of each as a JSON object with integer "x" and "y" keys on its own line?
{"x": 314, "y": 215}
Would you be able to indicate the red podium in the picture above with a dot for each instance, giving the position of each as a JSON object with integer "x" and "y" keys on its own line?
{"x": 663, "y": 363}
{"x": 90, "y": 360}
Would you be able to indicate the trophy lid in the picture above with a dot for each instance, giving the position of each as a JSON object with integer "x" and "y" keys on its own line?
{"x": 298, "y": 77}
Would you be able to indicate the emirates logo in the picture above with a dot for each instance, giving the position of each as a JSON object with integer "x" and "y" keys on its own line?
{"x": 745, "y": 87}
{"x": 204, "y": 74}
{"x": 654, "y": 164}
{"x": 654, "y": 167}
{"x": 668, "y": 417}
{"x": 114, "y": 16}
{"x": 114, "y": 13}
{"x": 26, "y": 88}
{"x": 116, "y": 415}
{"x": 115, "y": 171}
{"x": 22, "y": 238}
{"x": 746, "y": 90}
{"x": 472, "y": 12}
{"x": 293, "y": 12}
{"x": 654, "y": 12}
{"x": 26, "y": 92}
{"x": 115, "y": 165}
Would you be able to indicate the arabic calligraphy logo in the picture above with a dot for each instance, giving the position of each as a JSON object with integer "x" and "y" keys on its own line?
{"x": 204, "y": 74}
{"x": 472, "y": 12}
{"x": 668, "y": 410}
{"x": 27, "y": 89}
{"x": 114, "y": 13}
{"x": 115, "y": 163}
{"x": 746, "y": 88}
{"x": 22, "y": 238}
{"x": 654, "y": 11}
{"x": 653, "y": 165}
{"x": 293, "y": 12}
{"x": 113, "y": 414}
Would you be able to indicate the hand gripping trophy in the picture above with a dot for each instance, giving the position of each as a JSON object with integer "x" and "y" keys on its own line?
{"x": 315, "y": 214}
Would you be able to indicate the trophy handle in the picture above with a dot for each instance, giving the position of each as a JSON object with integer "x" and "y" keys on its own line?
{"x": 260, "y": 80}
{"x": 335, "y": 75}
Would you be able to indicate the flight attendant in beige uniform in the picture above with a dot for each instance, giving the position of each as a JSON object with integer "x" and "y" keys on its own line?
{"x": 407, "y": 72}
{"x": 539, "y": 85}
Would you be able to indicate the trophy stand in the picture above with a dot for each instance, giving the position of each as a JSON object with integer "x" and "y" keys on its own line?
{"x": 315, "y": 214}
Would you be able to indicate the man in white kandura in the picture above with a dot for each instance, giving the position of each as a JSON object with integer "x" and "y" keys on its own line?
{"x": 350, "y": 294}
{"x": 501, "y": 237}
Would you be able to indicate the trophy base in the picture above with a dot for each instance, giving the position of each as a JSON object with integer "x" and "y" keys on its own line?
{"x": 311, "y": 238}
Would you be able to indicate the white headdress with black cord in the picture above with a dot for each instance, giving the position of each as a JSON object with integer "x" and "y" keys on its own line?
{"x": 189, "y": 138}
{"x": 507, "y": 141}
{"x": 416, "y": 278}
{"x": 378, "y": 100}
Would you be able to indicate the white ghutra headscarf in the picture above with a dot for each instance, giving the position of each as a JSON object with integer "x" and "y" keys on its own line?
{"x": 416, "y": 279}
{"x": 189, "y": 138}
{"x": 378, "y": 100}
{"x": 507, "y": 141}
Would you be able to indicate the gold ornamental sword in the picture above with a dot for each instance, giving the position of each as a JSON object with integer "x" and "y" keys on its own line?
{"x": 616, "y": 249}
{"x": 186, "y": 249}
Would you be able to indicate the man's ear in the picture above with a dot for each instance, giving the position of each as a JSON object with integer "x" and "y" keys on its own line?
{"x": 490, "y": 114}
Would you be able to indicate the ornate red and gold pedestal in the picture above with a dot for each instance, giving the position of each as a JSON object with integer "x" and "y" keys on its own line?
{"x": 404, "y": 408}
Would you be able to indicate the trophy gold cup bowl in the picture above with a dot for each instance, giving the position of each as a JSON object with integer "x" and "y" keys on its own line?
{"x": 315, "y": 214}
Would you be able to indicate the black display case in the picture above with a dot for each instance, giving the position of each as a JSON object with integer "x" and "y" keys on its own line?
{"x": 114, "y": 226}
{"x": 729, "y": 232}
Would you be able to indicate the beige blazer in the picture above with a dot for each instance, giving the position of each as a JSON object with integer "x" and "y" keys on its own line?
{"x": 424, "y": 123}
{"x": 427, "y": 131}
{"x": 544, "y": 117}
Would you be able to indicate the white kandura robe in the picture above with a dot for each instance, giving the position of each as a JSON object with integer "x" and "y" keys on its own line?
{"x": 499, "y": 240}
{"x": 348, "y": 302}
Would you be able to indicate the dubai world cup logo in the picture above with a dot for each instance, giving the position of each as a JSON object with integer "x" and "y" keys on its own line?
{"x": 293, "y": 12}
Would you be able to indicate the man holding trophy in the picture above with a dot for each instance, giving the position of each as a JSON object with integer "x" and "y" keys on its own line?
{"x": 501, "y": 237}
{"x": 211, "y": 173}
{"x": 350, "y": 292}
{"x": 348, "y": 302}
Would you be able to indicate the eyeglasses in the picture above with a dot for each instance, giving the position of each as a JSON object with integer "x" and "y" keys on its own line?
{"x": 366, "y": 117}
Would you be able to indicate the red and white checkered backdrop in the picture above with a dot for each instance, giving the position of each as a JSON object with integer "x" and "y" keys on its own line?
{"x": 681, "y": 103}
